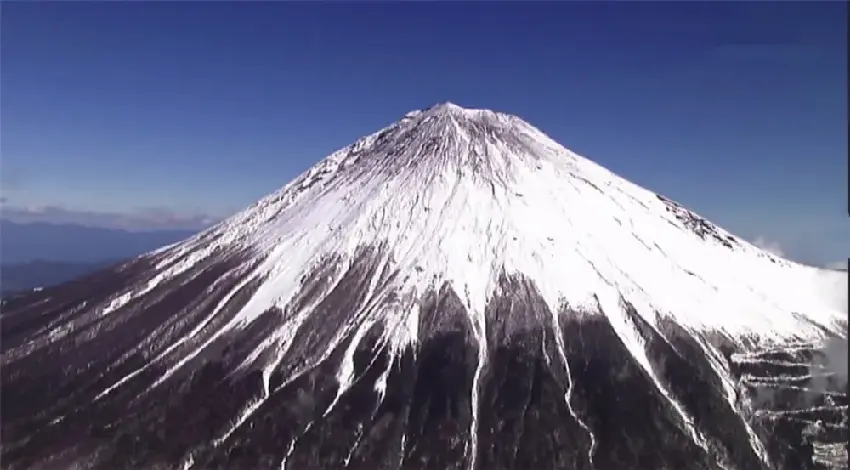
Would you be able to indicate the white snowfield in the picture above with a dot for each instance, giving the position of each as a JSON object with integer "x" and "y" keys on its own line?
{"x": 459, "y": 195}
{"x": 462, "y": 196}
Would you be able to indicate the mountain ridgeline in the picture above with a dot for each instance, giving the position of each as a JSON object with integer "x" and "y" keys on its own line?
{"x": 455, "y": 291}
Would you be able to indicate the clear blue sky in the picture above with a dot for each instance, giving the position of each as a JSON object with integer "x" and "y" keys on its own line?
{"x": 738, "y": 110}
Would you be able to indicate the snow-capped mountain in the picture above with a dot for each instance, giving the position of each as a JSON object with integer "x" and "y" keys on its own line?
{"x": 454, "y": 291}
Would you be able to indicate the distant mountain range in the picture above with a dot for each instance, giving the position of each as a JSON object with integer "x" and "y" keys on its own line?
{"x": 41, "y": 254}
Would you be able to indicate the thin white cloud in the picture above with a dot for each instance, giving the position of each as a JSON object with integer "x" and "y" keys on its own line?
{"x": 838, "y": 265}
{"x": 149, "y": 218}
{"x": 767, "y": 245}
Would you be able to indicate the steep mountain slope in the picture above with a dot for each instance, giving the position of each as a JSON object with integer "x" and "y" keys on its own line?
{"x": 456, "y": 290}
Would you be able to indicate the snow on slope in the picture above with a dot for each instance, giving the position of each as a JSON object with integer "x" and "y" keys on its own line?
{"x": 458, "y": 195}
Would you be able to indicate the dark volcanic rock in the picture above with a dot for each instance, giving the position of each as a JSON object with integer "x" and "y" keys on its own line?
{"x": 550, "y": 395}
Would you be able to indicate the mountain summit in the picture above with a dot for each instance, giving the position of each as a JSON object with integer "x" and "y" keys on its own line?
{"x": 454, "y": 291}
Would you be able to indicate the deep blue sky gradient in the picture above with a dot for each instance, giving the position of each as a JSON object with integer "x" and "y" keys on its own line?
{"x": 738, "y": 110}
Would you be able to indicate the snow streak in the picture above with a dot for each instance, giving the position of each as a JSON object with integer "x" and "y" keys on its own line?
{"x": 559, "y": 342}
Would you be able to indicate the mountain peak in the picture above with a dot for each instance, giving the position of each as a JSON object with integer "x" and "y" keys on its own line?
{"x": 463, "y": 196}
{"x": 447, "y": 134}
{"x": 446, "y": 106}
{"x": 402, "y": 302}
{"x": 449, "y": 109}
